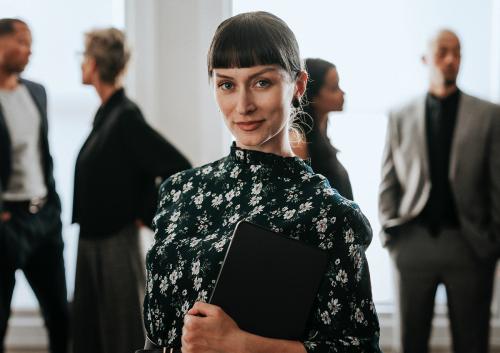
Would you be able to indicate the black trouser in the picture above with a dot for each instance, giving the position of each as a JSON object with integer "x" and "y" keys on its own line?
{"x": 33, "y": 244}
{"x": 423, "y": 262}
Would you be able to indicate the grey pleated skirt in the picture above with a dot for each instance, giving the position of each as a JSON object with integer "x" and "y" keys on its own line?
{"x": 109, "y": 292}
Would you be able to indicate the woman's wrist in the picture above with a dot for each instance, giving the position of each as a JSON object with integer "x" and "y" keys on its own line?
{"x": 246, "y": 342}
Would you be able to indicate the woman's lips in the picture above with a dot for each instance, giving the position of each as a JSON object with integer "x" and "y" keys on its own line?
{"x": 249, "y": 125}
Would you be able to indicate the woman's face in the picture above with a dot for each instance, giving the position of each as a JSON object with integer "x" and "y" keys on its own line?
{"x": 256, "y": 104}
{"x": 330, "y": 97}
{"x": 88, "y": 68}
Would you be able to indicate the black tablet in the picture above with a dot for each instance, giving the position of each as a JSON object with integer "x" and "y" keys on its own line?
{"x": 268, "y": 282}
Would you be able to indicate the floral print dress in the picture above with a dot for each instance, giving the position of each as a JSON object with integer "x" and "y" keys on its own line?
{"x": 197, "y": 213}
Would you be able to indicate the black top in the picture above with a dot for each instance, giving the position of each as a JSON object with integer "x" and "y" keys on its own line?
{"x": 197, "y": 212}
{"x": 117, "y": 167}
{"x": 440, "y": 118}
{"x": 324, "y": 161}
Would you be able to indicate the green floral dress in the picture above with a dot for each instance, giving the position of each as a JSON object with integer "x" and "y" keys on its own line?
{"x": 197, "y": 212}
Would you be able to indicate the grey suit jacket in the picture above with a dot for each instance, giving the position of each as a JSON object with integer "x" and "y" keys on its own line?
{"x": 474, "y": 171}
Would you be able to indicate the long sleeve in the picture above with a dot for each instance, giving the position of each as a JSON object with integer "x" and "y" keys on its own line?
{"x": 152, "y": 157}
{"x": 344, "y": 317}
{"x": 152, "y": 153}
{"x": 494, "y": 178}
{"x": 390, "y": 188}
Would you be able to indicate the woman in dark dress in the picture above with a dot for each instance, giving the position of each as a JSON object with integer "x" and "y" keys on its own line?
{"x": 114, "y": 193}
{"x": 324, "y": 95}
{"x": 255, "y": 67}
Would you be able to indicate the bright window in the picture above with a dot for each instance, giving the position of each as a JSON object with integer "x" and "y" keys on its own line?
{"x": 58, "y": 28}
{"x": 377, "y": 46}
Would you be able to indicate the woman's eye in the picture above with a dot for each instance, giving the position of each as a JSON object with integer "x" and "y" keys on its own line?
{"x": 262, "y": 83}
{"x": 226, "y": 86}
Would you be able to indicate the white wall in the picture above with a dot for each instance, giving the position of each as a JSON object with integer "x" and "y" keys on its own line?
{"x": 169, "y": 78}
{"x": 377, "y": 47}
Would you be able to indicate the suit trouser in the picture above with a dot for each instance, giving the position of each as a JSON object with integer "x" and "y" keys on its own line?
{"x": 422, "y": 262}
{"x": 29, "y": 243}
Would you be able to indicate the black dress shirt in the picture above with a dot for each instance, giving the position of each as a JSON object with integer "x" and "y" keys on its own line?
{"x": 117, "y": 167}
{"x": 440, "y": 115}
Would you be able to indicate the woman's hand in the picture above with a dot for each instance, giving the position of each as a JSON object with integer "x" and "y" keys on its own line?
{"x": 5, "y": 216}
{"x": 208, "y": 329}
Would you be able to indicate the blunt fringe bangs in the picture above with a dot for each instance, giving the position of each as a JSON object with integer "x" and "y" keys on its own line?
{"x": 254, "y": 38}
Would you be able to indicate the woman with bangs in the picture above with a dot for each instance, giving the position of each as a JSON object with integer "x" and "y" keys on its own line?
{"x": 258, "y": 79}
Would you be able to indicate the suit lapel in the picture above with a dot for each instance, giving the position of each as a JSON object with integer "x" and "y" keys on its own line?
{"x": 5, "y": 151}
{"x": 422, "y": 135}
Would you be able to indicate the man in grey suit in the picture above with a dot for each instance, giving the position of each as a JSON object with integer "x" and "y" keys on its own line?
{"x": 439, "y": 204}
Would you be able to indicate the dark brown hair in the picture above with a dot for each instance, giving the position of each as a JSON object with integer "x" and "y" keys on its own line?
{"x": 7, "y": 25}
{"x": 254, "y": 38}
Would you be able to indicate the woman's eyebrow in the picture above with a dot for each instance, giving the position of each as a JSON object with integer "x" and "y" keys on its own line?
{"x": 267, "y": 69}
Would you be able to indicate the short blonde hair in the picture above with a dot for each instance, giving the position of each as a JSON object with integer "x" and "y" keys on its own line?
{"x": 109, "y": 50}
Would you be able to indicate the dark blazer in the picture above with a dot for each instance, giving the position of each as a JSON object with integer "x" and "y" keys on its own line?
{"x": 474, "y": 172}
{"x": 117, "y": 169}
{"x": 39, "y": 96}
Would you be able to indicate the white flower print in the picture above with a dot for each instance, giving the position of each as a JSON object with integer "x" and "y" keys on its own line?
{"x": 325, "y": 317}
{"x": 289, "y": 214}
{"x": 328, "y": 191}
{"x": 306, "y": 177}
{"x": 171, "y": 227}
{"x": 321, "y": 225}
{"x": 194, "y": 242}
{"x": 304, "y": 207}
{"x": 358, "y": 315}
{"x": 257, "y": 210}
{"x": 230, "y": 195}
{"x": 197, "y": 283}
{"x": 219, "y": 246}
{"x": 175, "y": 216}
{"x": 163, "y": 285}
{"x": 234, "y": 218}
{"x": 186, "y": 187}
{"x": 334, "y": 306}
{"x": 255, "y": 200}
{"x": 172, "y": 334}
{"x": 342, "y": 276}
{"x": 185, "y": 307}
{"x": 207, "y": 170}
{"x": 240, "y": 154}
{"x": 217, "y": 200}
{"x": 190, "y": 243}
{"x": 202, "y": 296}
{"x": 349, "y": 236}
{"x": 195, "y": 268}
{"x": 198, "y": 200}
{"x": 175, "y": 195}
{"x": 257, "y": 188}
{"x": 169, "y": 238}
{"x": 174, "y": 276}
{"x": 254, "y": 168}
{"x": 235, "y": 172}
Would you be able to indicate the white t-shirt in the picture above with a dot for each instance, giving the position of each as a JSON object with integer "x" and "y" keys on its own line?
{"x": 23, "y": 122}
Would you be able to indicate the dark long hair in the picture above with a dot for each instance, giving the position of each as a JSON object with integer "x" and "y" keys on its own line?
{"x": 317, "y": 70}
{"x": 254, "y": 38}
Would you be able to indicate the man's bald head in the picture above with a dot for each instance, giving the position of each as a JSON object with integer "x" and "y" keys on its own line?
{"x": 442, "y": 35}
{"x": 443, "y": 58}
